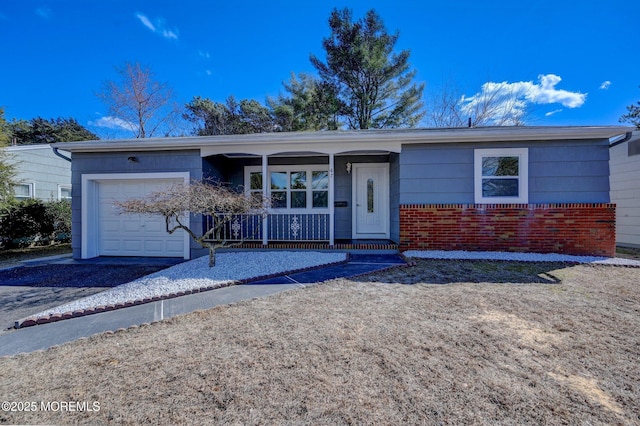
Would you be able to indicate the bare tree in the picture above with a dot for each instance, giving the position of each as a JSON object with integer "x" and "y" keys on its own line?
{"x": 443, "y": 107}
{"x": 145, "y": 105}
{"x": 213, "y": 199}
{"x": 497, "y": 104}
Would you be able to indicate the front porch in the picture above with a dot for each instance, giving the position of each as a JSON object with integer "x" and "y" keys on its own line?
{"x": 292, "y": 232}
{"x": 318, "y": 200}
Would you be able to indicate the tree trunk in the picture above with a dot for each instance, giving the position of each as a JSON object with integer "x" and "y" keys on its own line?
{"x": 212, "y": 256}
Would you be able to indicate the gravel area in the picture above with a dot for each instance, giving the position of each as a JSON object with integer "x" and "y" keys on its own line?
{"x": 519, "y": 257}
{"x": 197, "y": 274}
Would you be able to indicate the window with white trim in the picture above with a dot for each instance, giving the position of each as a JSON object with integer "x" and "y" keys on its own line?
{"x": 501, "y": 176}
{"x": 64, "y": 192}
{"x": 23, "y": 191}
{"x": 301, "y": 187}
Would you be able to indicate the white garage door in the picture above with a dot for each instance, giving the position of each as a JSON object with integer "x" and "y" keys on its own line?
{"x": 132, "y": 234}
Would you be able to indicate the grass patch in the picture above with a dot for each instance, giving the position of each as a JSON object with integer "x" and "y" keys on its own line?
{"x": 14, "y": 256}
{"x": 628, "y": 253}
{"x": 560, "y": 346}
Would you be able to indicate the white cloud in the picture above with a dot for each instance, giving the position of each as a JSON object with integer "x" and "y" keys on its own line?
{"x": 113, "y": 123}
{"x": 208, "y": 72}
{"x": 550, "y": 113}
{"x": 44, "y": 12}
{"x": 203, "y": 54}
{"x": 146, "y": 22}
{"x": 157, "y": 26}
{"x": 169, "y": 34}
{"x": 605, "y": 85}
{"x": 505, "y": 103}
{"x": 546, "y": 93}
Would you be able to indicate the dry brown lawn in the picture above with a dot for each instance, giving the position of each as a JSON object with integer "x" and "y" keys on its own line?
{"x": 500, "y": 343}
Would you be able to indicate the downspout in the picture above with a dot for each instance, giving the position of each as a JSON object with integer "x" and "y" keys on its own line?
{"x": 56, "y": 152}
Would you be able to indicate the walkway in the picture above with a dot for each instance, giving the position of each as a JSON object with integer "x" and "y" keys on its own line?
{"x": 44, "y": 336}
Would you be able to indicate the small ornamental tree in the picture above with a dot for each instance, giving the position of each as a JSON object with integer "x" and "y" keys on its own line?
{"x": 222, "y": 204}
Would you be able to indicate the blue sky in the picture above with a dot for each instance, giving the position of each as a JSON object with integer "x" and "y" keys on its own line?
{"x": 576, "y": 62}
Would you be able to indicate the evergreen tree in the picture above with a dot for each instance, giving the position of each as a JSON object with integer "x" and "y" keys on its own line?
{"x": 39, "y": 130}
{"x": 632, "y": 116}
{"x": 312, "y": 104}
{"x": 232, "y": 117}
{"x": 374, "y": 84}
{"x": 7, "y": 169}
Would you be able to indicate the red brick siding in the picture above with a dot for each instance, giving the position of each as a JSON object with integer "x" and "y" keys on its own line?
{"x": 581, "y": 229}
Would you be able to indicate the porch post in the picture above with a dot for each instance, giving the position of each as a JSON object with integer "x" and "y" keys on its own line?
{"x": 265, "y": 177}
{"x": 331, "y": 203}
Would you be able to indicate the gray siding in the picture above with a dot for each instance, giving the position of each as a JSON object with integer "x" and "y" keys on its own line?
{"x": 342, "y": 193}
{"x": 435, "y": 174}
{"x": 570, "y": 172}
{"x": 394, "y": 197}
{"x": 116, "y": 162}
{"x": 625, "y": 191}
{"x": 39, "y": 166}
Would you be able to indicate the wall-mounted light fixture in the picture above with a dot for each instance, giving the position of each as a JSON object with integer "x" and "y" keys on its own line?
{"x": 349, "y": 168}
{"x": 132, "y": 159}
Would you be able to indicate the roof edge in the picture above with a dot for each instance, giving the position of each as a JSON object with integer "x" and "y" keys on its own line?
{"x": 378, "y": 137}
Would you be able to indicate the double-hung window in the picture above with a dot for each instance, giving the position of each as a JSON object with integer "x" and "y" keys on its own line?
{"x": 23, "y": 191}
{"x": 501, "y": 176}
{"x": 292, "y": 187}
{"x": 64, "y": 192}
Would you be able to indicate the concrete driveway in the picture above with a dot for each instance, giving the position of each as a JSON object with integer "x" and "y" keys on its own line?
{"x": 41, "y": 284}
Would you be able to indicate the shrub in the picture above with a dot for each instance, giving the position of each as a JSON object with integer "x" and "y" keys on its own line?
{"x": 32, "y": 222}
{"x": 59, "y": 213}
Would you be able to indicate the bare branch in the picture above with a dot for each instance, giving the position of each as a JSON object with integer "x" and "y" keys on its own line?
{"x": 144, "y": 104}
{"x": 213, "y": 199}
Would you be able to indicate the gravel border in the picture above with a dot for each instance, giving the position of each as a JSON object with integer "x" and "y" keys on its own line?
{"x": 191, "y": 277}
{"x": 520, "y": 257}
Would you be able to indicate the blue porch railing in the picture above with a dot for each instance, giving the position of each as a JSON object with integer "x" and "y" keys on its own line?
{"x": 280, "y": 227}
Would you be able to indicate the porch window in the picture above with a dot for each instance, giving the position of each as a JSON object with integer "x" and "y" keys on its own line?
{"x": 255, "y": 184}
{"x": 279, "y": 189}
{"x": 292, "y": 187}
{"x": 299, "y": 190}
{"x": 501, "y": 176}
{"x": 320, "y": 189}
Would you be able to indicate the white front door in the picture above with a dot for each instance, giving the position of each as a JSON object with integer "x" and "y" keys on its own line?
{"x": 371, "y": 200}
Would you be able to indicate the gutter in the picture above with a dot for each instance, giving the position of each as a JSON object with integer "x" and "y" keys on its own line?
{"x": 57, "y": 152}
{"x": 626, "y": 137}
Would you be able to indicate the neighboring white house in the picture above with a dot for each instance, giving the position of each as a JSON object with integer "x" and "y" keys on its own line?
{"x": 624, "y": 160}
{"x": 40, "y": 173}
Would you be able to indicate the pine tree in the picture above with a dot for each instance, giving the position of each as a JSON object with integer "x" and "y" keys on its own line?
{"x": 632, "y": 116}
{"x": 375, "y": 85}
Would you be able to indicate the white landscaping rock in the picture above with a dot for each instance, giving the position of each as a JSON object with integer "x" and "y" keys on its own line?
{"x": 196, "y": 274}
{"x": 520, "y": 257}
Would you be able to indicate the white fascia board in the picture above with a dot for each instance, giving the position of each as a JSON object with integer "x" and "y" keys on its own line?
{"x": 13, "y": 148}
{"x": 335, "y": 142}
{"x": 324, "y": 147}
